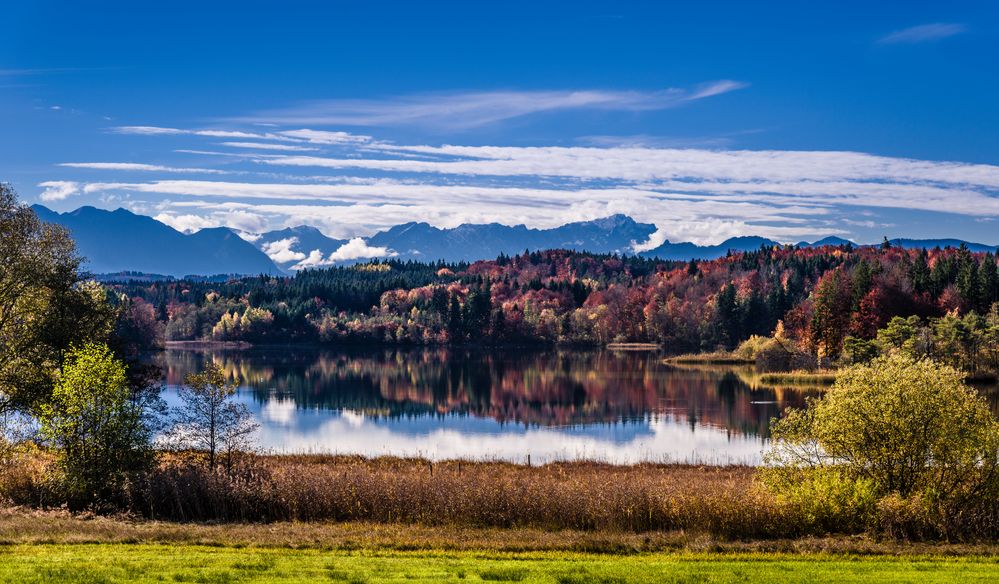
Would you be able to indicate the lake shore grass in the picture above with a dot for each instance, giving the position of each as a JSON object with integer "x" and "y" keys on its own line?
{"x": 710, "y": 358}
{"x": 798, "y": 377}
{"x": 198, "y": 563}
{"x": 801, "y": 377}
{"x": 634, "y": 346}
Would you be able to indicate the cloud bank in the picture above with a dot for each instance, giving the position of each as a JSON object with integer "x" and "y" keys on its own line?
{"x": 355, "y": 249}
{"x": 350, "y": 184}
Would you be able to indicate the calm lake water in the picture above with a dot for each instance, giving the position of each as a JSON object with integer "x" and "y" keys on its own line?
{"x": 617, "y": 406}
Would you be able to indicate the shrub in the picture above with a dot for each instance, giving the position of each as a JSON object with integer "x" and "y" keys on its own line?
{"x": 827, "y": 500}
{"x": 24, "y": 472}
{"x": 97, "y": 428}
{"x": 752, "y": 346}
{"x": 897, "y": 427}
{"x": 782, "y": 356}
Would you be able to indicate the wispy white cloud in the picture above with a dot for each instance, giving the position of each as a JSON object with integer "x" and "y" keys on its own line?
{"x": 462, "y": 111}
{"x": 647, "y": 164}
{"x": 693, "y": 194}
{"x": 714, "y": 88}
{"x": 326, "y": 137}
{"x": 301, "y": 135}
{"x": 209, "y": 133}
{"x": 150, "y": 131}
{"x": 187, "y": 223}
{"x": 649, "y": 141}
{"x": 267, "y": 146}
{"x": 243, "y": 220}
{"x": 699, "y": 193}
{"x": 923, "y": 33}
{"x": 57, "y": 190}
{"x": 133, "y": 166}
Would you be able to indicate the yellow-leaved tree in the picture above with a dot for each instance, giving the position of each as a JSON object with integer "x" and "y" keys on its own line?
{"x": 897, "y": 432}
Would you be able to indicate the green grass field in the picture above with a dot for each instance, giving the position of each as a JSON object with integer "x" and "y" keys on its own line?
{"x": 99, "y": 563}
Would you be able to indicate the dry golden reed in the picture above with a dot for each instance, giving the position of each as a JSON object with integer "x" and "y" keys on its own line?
{"x": 567, "y": 495}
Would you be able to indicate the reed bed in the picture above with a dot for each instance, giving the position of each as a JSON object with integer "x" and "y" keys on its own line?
{"x": 570, "y": 495}
{"x": 723, "y": 503}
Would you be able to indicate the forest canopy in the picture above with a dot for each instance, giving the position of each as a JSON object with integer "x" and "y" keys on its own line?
{"x": 823, "y": 299}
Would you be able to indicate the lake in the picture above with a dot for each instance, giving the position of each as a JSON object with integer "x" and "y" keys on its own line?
{"x": 616, "y": 406}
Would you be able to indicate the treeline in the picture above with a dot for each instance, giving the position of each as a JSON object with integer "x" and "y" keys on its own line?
{"x": 969, "y": 343}
{"x": 274, "y": 309}
{"x": 820, "y": 296}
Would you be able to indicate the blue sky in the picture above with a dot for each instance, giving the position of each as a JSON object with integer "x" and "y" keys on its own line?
{"x": 792, "y": 120}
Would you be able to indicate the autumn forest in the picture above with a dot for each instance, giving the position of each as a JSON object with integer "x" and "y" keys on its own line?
{"x": 826, "y": 301}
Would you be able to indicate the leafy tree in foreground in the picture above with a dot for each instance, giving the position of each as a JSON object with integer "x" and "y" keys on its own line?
{"x": 44, "y": 307}
{"x": 899, "y": 427}
{"x": 96, "y": 425}
{"x": 210, "y": 419}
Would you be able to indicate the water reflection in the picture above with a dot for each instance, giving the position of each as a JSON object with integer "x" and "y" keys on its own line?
{"x": 441, "y": 403}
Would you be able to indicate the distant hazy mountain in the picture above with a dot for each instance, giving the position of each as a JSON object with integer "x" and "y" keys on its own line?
{"x": 688, "y": 251}
{"x": 932, "y": 243}
{"x": 469, "y": 242}
{"x": 117, "y": 241}
{"x": 831, "y": 240}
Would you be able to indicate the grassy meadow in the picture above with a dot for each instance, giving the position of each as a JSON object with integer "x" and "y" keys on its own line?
{"x": 57, "y": 546}
{"x": 193, "y": 563}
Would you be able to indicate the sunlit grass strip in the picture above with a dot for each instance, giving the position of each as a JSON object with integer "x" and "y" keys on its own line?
{"x": 190, "y": 563}
{"x": 799, "y": 378}
{"x": 713, "y": 358}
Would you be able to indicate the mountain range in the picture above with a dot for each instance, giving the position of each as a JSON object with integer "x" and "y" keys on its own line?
{"x": 116, "y": 242}
{"x": 470, "y": 242}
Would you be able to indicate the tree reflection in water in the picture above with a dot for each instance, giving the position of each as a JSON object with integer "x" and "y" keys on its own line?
{"x": 573, "y": 392}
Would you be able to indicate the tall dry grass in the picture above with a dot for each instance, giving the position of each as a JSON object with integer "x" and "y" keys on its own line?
{"x": 571, "y": 495}
{"x": 722, "y": 502}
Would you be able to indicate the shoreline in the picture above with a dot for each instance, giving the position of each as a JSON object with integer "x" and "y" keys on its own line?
{"x": 207, "y": 345}
{"x": 708, "y": 358}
